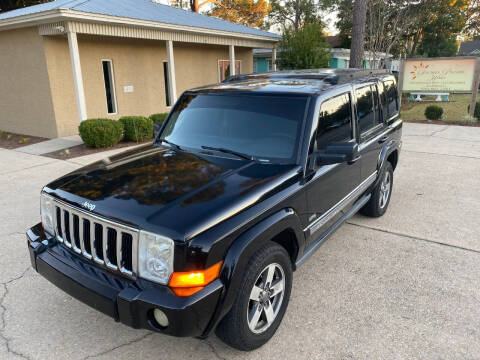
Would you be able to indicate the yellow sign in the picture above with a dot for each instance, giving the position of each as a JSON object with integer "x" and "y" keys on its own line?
{"x": 439, "y": 75}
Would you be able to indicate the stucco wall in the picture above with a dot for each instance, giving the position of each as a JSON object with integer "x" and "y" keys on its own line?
{"x": 25, "y": 101}
{"x": 197, "y": 64}
{"x": 137, "y": 63}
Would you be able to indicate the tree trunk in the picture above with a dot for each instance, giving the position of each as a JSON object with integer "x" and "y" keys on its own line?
{"x": 194, "y": 5}
{"x": 416, "y": 40}
{"x": 358, "y": 33}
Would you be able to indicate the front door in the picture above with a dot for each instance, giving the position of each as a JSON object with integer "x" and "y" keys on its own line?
{"x": 328, "y": 189}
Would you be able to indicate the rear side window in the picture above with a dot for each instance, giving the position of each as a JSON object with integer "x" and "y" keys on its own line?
{"x": 335, "y": 121}
{"x": 391, "y": 97}
{"x": 368, "y": 108}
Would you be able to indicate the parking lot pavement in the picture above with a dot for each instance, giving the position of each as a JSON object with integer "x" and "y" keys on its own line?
{"x": 402, "y": 286}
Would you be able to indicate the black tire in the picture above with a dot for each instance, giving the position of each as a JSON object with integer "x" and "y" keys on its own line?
{"x": 234, "y": 328}
{"x": 373, "y": 207}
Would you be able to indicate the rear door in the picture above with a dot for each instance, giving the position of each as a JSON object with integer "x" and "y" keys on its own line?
{"x": 370, "y": 128}
{"x": 331, "y": 184}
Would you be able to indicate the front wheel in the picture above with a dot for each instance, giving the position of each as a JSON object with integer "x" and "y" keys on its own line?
{"x": 378, "y": 203}
{"x": 261, "y": 302}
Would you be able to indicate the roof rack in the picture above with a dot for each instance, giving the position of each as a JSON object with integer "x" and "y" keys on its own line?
{"x": 330, "y": 76}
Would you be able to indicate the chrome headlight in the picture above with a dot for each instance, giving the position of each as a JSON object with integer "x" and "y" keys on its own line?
{"x": 155, "y": 257}
{"x": 47, "y": 213}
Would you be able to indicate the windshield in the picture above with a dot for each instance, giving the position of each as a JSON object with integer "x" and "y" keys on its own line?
{"x": 264, "y": 127}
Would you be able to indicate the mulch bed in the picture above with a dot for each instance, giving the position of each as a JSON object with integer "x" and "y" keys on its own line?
{"x": 82, "y": 150}
{"x": 441, "y": 122}
{"x": 12, "y": 141}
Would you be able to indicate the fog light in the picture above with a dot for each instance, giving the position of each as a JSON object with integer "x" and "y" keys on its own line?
{"x": 160, "y": 317}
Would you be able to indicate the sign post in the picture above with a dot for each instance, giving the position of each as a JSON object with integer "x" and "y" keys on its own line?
{"x": 400, "y": 82}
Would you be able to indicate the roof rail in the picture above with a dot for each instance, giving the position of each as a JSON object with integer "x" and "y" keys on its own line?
{"x": 331, "y": 76}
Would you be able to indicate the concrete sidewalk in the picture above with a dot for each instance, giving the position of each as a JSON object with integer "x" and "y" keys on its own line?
{"x": 49, "y": 146}
{"x": 404, "y": 286}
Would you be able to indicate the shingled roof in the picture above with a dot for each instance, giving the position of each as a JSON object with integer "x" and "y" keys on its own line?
{"x": 469, "y": 48}
{"x": 146, "y": 10}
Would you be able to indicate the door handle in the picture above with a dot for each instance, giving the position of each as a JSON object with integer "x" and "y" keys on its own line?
{"x": 383, "y": 139}
{"x": 353, "y": 161}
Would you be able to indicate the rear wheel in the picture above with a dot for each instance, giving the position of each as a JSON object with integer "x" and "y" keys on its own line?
{"x": 261, "y": 301}
{"x": 381, "y": 194}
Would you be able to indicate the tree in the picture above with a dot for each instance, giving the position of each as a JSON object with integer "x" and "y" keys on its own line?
{"x": 387, "y": 22}
{"x": 297, "y": 13}
{"x": 244, "y": 12}
{"x": 472, "y": 27}
{"x": 358, "y": 33}
{"x": 305, "y": 48}
{"x": 344, "y": 22}
{"x": 7, "y": 5}
{"x": 437, "y": 37}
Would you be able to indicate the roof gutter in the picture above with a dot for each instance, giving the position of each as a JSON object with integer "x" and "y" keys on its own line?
{"x": 74, "y": 15}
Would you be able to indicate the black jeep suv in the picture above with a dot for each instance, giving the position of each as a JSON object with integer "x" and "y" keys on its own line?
{"x": 202, "y": 229}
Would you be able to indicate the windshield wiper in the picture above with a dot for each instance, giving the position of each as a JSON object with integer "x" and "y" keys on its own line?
{"x": 233, "y": 152}
{"x": 170, "y": 143}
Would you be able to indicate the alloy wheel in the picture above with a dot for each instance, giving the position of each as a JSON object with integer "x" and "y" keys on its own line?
{"x": 385, "y": 188}
{"x": 266, "y": 298}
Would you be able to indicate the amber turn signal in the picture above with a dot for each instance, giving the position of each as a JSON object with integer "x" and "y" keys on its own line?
{"x": 190, "y": 282}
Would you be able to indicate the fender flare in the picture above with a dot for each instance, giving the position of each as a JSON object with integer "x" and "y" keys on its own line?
{"x": 384, "y": 154}
{"x": 243, "y": 248}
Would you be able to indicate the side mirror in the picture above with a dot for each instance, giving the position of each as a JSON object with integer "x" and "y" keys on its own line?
{"x": 335, "y": 153}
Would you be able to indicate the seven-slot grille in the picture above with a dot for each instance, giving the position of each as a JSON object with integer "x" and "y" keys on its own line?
{"x": 109, "y": 244}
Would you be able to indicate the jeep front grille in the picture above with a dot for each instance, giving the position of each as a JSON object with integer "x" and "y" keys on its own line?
{"x": 109, "y": 244}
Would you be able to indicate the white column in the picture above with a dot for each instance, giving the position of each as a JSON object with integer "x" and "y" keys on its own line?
{"x": 231, "y": 53}
{"x": 172, "y": 84}
{"x": 77, "y": 75}
{"x": 274, "y": 59}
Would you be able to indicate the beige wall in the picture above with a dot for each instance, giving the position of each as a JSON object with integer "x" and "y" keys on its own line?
{"x": 61, "y": 84}
{"x": 136, "y": 63}
{"x": 43, "y": 99}
{"x": 197, "y": 64}
{"x": 25, "y": 102}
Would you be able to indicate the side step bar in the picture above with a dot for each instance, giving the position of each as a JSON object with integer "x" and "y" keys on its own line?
{"x": 310, "y": 250}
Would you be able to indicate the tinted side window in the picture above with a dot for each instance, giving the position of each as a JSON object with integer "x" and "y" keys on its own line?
{"x": 382, "y": 92}
{"x": 392, "y": 97}
{"x": 335, "y": 121}
{"x": 366, "y": 116}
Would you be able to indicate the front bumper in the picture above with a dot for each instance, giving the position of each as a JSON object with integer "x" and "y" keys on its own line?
{"x": 129, "y": 301}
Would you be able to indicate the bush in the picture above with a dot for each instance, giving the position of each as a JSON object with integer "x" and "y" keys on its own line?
{"x": 158, "y": 118}
{"x": 433, "y": 112}
{"x": 477, "y": 110}
{"x": 137, "y": 128}
{"x": 100, "y": 132}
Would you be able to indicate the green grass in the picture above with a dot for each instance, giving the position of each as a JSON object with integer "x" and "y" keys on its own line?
{"x": 454, "y": 111}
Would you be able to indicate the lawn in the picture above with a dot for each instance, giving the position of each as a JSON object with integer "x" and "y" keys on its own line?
{"x": 453, "y": 111}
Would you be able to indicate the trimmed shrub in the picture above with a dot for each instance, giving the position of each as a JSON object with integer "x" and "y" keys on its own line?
{"x": 137, "y": 128}
{"x": 433, "y": 112}
{"x": 477, "y": 110}
{"x": 100, "y": 132}
{"x": 159, "y": 118}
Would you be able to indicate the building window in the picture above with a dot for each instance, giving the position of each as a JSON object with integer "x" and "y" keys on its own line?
{"x": 109, "y": 86}
{"x": 166, "y": 80}
{"x": 224, "y": 69}
{"x": 269, "y": 65}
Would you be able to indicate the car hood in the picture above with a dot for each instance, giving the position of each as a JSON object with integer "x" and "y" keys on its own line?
{"x": 171, "y": 192}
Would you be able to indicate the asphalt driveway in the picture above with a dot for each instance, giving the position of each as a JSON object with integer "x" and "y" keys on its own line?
{"x": 403, "y": 286}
